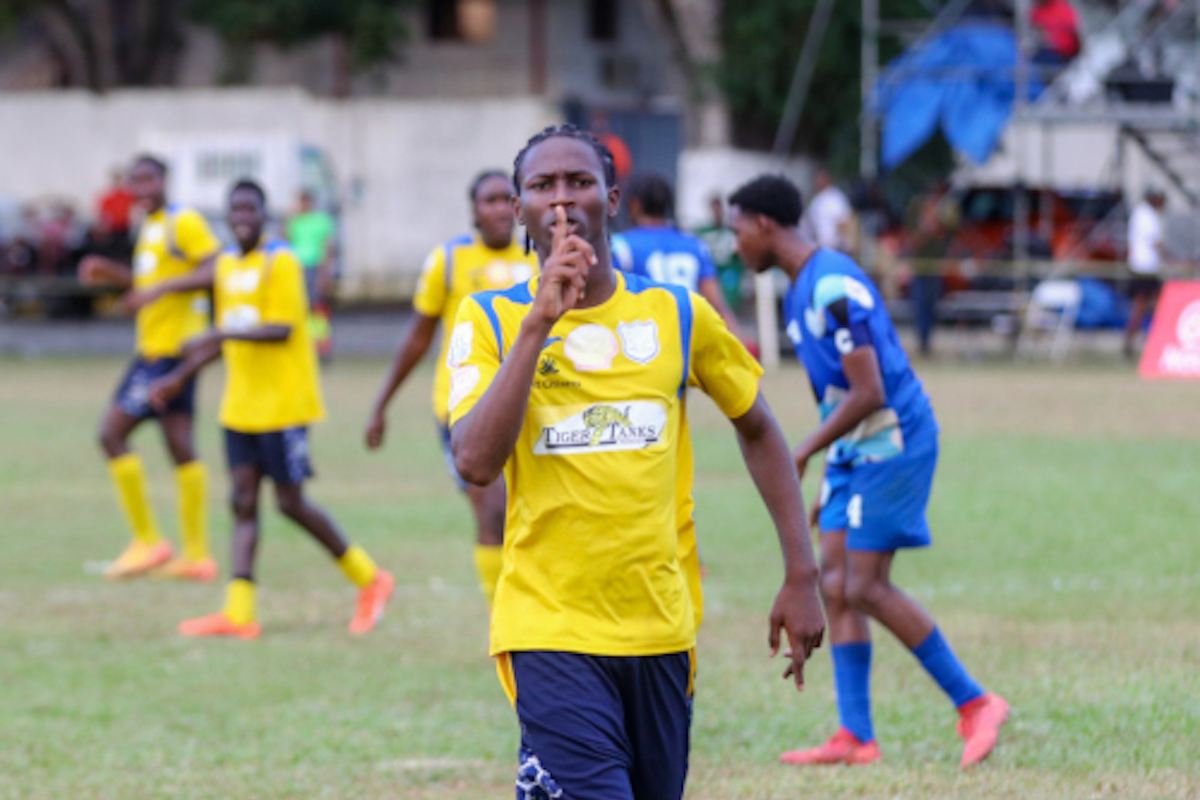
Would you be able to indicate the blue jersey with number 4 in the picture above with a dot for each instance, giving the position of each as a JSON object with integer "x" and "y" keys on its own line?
{"x": 664, "y": 255}
{"x": 832, "y": 309}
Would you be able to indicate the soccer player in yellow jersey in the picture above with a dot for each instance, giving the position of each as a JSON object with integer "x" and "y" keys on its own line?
{"x": 172, "y": 242}
{"x": 488, "y": 260}
{"x": 272, "y": 394}
{"x": 573, "y": 386}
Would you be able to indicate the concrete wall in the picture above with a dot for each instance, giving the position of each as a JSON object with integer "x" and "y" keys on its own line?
{"x": 403, "y": 166}
{"x": 708, "y": 171}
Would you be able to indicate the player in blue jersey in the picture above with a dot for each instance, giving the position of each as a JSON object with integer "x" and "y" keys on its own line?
{"x": 881, "y": 441}
{"x": 654, "y": 247}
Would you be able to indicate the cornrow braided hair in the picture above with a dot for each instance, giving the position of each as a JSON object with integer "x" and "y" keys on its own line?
{"x": 567, "y": 131}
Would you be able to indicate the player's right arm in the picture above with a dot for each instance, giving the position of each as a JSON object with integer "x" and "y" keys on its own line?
{"x": 197, "y": 354}
{"x": 428, "y": 304}
{"x": 484, "y": 438}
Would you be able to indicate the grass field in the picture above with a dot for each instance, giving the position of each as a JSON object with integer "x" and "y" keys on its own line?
{"x": 1066, "y": 574}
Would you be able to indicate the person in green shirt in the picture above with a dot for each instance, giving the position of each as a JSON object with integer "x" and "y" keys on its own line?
{"x": 313, "y": 236}
{"x": 721, "y": 240}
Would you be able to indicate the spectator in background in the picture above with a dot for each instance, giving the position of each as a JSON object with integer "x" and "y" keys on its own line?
{"x": 1146, "y": 255}
{"x": 828, "y": 219}
{"x": 722, "y": 245}
{"x": 115, "y": 206}
{"x": 313, "y": 236}
{"x": 1057, "y": 27}
{"x": 933, "y": 219}
{"x": 622, "y": 157}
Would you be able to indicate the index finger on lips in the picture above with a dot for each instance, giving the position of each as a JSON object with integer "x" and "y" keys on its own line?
{"x": 560, "y": 229}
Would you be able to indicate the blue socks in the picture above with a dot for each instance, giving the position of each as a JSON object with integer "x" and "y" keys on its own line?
{"x": 944, "y": 667}
{"x": 852, "y": 679}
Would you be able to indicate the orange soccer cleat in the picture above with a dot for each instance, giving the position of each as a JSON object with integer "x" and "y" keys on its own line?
{"x": 138, "y": 559}
{"x": 219, "y": 625}
{"x": 202, "y": 570}
{"x": 372, "y": 600}
{"x": 842, "y": 748}
{"x": 979, "y": 724}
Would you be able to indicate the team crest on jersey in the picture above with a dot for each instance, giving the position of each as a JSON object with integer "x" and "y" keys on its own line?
{"x": 591, "y": 348}
{"x": 521, "y": 271}
{"x": 152, "y": 233}
{"x": 460, "y": 345}
{"x": 639, "y": 340}
{"x": 601, "y": 428}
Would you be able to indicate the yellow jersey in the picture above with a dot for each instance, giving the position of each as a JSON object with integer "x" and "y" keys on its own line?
{"x": 599, "y": 549}
{"x": 171, "y": 242}
{"x": 269, "y": 386}
{"x": 455, "y": 270}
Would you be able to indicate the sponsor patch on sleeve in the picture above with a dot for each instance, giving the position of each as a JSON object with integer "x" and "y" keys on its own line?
{"x": 462, "y": 382}
{"x": 460, "y": 345}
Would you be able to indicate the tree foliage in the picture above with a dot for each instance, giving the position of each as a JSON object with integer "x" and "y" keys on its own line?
{"x": 370, "y": 30}
{"x": 761, "y": 43}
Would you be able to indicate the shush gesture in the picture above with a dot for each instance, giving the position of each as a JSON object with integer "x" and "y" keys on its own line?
{"x": 564, "y": 273}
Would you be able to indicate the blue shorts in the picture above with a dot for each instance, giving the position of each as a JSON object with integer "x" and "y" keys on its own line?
{"x": 881, "y": 505}
{"x": 133, "y": 393}
{"x": 281, "y": 455}
{"x": 444, "y": 437}
{"x": 603, "y": 727}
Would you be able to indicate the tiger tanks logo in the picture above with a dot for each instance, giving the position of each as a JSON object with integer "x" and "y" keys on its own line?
{"x": 600, "y": 427}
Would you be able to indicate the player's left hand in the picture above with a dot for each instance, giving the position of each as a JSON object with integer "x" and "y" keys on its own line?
{"x": 797, "y": 611}
{"x": 801, "y": 459}
{"x": 163, "y": 391}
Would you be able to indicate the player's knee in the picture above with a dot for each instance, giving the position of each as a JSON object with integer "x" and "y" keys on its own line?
{"x": 244, "y": 503}
{"x": 290, "y": 505}
{"x": 110, "y": 442}
{"x": 833, "y": 586}
{"x": 865, "y": 593}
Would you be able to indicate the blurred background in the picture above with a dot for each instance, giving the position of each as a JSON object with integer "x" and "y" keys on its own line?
{"x": 966, "y": 151}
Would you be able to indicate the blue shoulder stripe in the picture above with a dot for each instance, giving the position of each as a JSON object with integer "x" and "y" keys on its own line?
{"x": 449, "y": 247}
{"x": 516, "y": 294}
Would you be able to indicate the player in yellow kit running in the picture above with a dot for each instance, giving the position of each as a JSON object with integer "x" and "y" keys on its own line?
{"x": 272, "y": 394}
{"x": 490, "y": 259}
{"x": 173, "y": 241}
{"x": 573, "y": 386}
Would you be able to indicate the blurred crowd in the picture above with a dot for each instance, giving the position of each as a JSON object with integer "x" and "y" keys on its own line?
{"x": 47, "y": 239}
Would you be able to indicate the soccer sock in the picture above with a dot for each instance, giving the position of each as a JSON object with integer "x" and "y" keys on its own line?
{"x": 129, "y": 476}
{"x": 239, "y": 601}
{"x": 192, "y": 481}
{"x": 488, "y": 558}
{"x": 852, "y": 679}
{"x": 358, "y": 566}
{"x": 944, "y": 667}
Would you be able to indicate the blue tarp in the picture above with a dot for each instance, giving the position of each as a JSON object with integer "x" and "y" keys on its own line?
{"x": 1100, "y": 306}
{"x": 962, "y": 80}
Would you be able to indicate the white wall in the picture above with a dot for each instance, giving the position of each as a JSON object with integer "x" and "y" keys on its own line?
{"x": 403, "y": 165}
{"x": 708, "y": 171}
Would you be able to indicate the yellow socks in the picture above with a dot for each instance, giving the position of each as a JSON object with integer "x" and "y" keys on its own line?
{"x": 191, "y": 479}
{"x": 358, "y": 566}
{"x": 129, "y": 478}
{"x": 239, "y": 601}
{"x": 488, "y": 558}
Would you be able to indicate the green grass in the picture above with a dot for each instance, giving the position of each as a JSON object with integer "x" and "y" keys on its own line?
{"x": 1066, "y": 574}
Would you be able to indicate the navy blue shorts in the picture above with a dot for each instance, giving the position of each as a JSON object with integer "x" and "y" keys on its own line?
{"x": 444, "y": 435}
{"x": 881, "y": 505}
{"x": 281, "y": 455}
{"x": 133, "y": 393}
{"x": 603, "y": 727}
